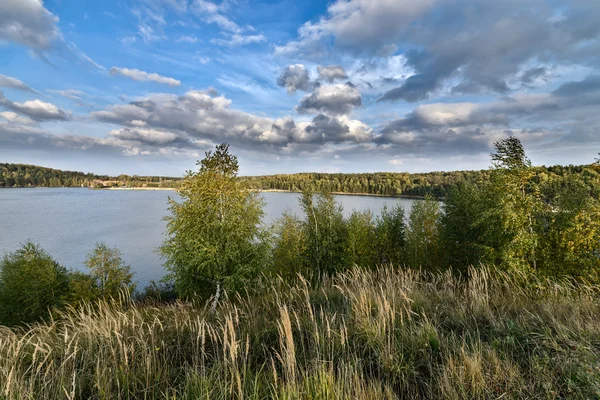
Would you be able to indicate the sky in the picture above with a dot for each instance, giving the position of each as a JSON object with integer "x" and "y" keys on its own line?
{"x": 148, "y": 86}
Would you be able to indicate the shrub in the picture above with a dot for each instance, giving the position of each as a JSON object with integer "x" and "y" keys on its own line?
{"x": 108, "y": 270}
{"x": 32, "y": 284}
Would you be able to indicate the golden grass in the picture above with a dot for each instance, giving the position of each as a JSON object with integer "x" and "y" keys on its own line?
{"x": 381, "y": 334}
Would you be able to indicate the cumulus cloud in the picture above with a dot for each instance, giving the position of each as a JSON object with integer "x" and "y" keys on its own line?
{"x": 331, "y": 99}
{"x": 14, "y": 83}
{"x": 201, "y": 117}
{"x": 27, "y": 22}
{"x": 295, "y": 77}
{"x": 239, "y": 40}
{"x": 35, "y": 109}
{"x": 142, "y": 76}
{"x": 331, "y": 73}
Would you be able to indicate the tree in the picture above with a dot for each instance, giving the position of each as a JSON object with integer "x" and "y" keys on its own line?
{"x": 215, "y": 237}
{"x": 515, "y": 202}
{"x": 32, "y": 284}
{"x": 461, "y": 234}
{"x": 423, "y": 235}
{"x": 108, "y": 270}
{"x": 326, "y": 233}
{"x": 289, "y": 251}
{"x": 362, "y": 249}
{"x": 390, "y": 235}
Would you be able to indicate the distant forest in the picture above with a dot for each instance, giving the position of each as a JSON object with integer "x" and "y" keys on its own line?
{"x": 436, "y": 184}
{"x": 22, "y": 175}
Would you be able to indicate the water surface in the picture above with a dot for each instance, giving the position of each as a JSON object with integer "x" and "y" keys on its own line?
{"x": 67, "y": 223}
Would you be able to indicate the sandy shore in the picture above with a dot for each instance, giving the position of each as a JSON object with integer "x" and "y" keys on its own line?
{"x": 139, "y": 188}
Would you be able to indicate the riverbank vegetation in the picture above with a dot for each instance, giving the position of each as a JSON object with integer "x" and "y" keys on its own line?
{"x": 491, "y": 294}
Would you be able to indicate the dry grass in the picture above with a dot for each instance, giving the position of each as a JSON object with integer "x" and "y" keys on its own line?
{"x": 383, "y": 334}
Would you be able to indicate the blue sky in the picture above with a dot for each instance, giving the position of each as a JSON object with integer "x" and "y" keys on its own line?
{"x": 146, "y": 86}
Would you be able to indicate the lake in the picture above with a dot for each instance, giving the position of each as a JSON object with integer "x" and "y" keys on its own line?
{"x": 67, "y": 223}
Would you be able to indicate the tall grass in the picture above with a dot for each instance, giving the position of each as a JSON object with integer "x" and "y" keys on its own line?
{"x": 383, "y": 334}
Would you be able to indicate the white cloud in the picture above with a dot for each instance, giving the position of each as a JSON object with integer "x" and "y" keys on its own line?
{"x": 14, "y": 83}
{"x": 186, "y": 39}
{"x": 35, "y": 109}
{"x": 142, "y": 76}
{"x": 70, "y": 93}
{"x": 238, "y": 40}
{"x": 15, "y": 118}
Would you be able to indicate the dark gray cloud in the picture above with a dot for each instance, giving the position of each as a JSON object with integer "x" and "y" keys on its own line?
{"x": 35, "y": 109}
{"x": 331, "y": 99}
{"x": 295, "y": 77}
{"x": 28, "y": 23}
{"x": 531, "y": 75}
{"x": 590, "y": 84}
{"x": 331, "y": 73}
{"x": 14, "y": 83}
{"x": 481, "y": 45}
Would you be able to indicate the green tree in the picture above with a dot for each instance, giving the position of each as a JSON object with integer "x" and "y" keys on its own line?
{"x": 108, "y": 270}
{"x": 289, "y": 250}
{"x": 32, "y": 284}
{"x": 216, "y": 239}
{"x": 390, "y": 235}
{"x": 326, "y": 233}
{"x": 515, "y": 202}
{"x": 423, "y": 235}
{"x": 461, "y": 234}
{"x": 362, "y": 249}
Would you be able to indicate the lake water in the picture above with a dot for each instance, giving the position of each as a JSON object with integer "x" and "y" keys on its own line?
{"x": 67, "y": 223}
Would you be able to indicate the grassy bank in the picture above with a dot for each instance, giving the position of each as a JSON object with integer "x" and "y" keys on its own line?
{"x": 369, "y": 335}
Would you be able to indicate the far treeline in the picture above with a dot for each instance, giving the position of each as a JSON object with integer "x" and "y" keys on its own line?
{"x": 436, "y": 184}
{"x": 23, "y": 175}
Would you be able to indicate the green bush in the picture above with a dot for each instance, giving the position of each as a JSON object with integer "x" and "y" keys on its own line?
{"x": 32, "y": 284}
{"x": 109, "y": 272}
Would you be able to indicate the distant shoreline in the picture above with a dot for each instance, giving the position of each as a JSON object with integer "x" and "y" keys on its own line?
{"x": 137, "y": 188}
{"x": 347, "y": 194}
{"x": 259, "y": 190}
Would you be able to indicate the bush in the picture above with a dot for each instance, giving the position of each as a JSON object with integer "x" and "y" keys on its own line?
{"x": 32, "y": 284}
{"x": 109, "y": 272}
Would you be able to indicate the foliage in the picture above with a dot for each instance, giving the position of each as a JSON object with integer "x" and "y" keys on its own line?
{"x": 423, "y": 235}
{"x": 461, "y": 231}
{"x": 109, "y": 272}
{"x": 326, "y": 233}
{"x": 290, "y": 246}
{"x": 362, "y": 246}
{"x": 215, "y": 238}
{"x": 379, "y": 334}
{"x": 390, "y": 235}
{"x": 32, "y": 284}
